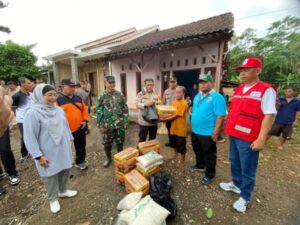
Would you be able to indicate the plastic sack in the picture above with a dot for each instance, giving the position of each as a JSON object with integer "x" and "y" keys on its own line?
{"x": 158, "y": 163}
{"x": 150, "y": 115}
{"x": 130, "y": 200}
{"x": 160, "y": 188}
{"x": 146, "y": 212}
{"x": 149, "y": 158}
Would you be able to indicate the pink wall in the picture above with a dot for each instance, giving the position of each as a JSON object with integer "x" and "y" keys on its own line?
{"x": 155, "y": 67}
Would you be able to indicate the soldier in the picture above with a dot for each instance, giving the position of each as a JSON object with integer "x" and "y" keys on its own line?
{"x": 112, "y": 115}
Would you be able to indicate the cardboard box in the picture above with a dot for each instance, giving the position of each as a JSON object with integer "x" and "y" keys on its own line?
{"x": 147, "y": 146}
{"x": 165, "y": 109}
{"x": 125, "y": 162}
{"x": 150, "y": 172}
{"x": 136, "y": 182}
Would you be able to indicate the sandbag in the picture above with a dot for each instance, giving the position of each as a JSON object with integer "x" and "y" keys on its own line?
{"x": 146, "y": 212}
{"x": 130, "y": 200}
{"x": 149, "y": 158}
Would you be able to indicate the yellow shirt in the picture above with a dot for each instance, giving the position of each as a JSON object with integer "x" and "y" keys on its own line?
{"x": 178, "y": 126}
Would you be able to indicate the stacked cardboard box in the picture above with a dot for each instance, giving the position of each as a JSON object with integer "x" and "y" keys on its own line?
{"x": 125, "y": 161}
{"x": 136, "y": 182}
{"x": 148, "y": 146}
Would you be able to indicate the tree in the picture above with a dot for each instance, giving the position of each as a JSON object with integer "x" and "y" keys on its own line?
{"x": 2, "y": 28}
{"x": 279, "y": 50}
{"x": 17, "y": 61}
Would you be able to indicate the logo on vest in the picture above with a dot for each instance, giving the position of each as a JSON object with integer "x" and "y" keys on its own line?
{"x": 255, "y": 94}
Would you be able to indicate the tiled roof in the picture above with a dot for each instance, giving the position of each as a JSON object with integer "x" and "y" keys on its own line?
{"x": 202, "y": 29}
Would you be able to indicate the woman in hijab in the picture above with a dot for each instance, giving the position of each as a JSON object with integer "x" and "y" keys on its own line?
{"x": 47, "y": 136}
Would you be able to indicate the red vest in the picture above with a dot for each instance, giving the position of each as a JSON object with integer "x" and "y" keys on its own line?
{"x": 245, "y": 114}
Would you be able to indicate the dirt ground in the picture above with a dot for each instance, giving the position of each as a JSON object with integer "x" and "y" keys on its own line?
{"x": 276, "y": 198}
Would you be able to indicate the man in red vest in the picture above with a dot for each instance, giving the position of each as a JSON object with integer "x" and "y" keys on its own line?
{"x": 250, "y": 118}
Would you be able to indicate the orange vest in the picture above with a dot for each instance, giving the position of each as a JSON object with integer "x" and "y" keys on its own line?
{"x": 245, "y": 114}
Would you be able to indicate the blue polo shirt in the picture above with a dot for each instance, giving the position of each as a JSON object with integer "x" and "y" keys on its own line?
{"x": 287, "y": 111}
{"x": 205, "y": 112}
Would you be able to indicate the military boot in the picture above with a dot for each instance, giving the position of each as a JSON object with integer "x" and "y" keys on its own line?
{"x": 120, "y": 147}
{"x": 108, "y": 159}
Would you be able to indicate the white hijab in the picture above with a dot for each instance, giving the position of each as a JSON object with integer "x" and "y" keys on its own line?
{"x": 49, "y": 115}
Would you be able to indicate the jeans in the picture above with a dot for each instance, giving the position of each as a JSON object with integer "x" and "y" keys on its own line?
{"x": 206, "y": 153}
{"x": 7, "y": 157}
{"x": 24, "y": 151}
{"x": 244, "y": 162}
{"x": 144, "y": 130}
{"x": 80, "y": 143}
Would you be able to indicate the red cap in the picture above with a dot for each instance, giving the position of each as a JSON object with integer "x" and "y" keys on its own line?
{"x": 250, "y": 63}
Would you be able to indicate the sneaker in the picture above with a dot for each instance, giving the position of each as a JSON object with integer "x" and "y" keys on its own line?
{"x": 2, "y": 190}
{"x": 206, "y": 180}
{"x": 230, "y": 187}
{"x": 67, "y": 194}
{"x": 14, "y": 180}
{"x": 24, "y": 158}
{"x": 54, "y": 206}
{"x": 81, "y": 166}
{"x": 195, "y": 167}
{"x": 240, "y": 205}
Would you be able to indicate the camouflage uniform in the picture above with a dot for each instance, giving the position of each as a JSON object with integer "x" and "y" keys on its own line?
{"x": 112, "y": 114}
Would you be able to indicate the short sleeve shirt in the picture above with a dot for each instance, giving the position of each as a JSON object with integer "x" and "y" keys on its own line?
{"x": 287, "y": 111}
{"x": 21, "y": 103}
{"x": 205, "y": 112}
{"x": 178, "y": 126}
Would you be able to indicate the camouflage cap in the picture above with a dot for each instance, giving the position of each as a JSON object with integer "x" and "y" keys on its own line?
{"x": 110, "y": 79}
{"x": 173, "y": 79}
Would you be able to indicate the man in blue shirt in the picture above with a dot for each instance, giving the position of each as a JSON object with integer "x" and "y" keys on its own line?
{"x": 208, "y": 112}
{"x": 288, "y": 113}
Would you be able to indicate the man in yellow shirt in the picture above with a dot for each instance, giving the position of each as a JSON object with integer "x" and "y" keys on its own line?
{"x": 178, "y": 129}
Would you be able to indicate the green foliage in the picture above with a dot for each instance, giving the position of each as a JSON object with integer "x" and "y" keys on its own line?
{"x": 279, "y": 50}
{"x": 17, "y": 61}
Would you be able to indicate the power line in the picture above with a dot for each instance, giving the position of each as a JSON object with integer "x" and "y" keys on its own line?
{"x": 270, "y": 12}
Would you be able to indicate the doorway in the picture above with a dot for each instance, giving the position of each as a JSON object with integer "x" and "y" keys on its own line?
{"x": 188, "y": 79}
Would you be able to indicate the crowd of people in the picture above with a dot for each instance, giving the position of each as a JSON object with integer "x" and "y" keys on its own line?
{"x": 49, "y": 121}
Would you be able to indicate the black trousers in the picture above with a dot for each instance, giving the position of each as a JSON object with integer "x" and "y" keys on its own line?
{"x": 145, "y": 130}
{"x": 24, "y": 151}
{"x": 168, "y": 125}
{"x": 7, "y": 157}
{"x": 206, "y": 153}
{"x": 80, "y": 143}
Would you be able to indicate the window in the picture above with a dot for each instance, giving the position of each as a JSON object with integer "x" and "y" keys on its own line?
{"x": 171, "y": 64}
{"x": 138, "y": 82}
{"x": 130, "y": 67}
{"x": 186, "y": 62}
{"x": 178, "y": 62}
{"x": 212, "y": 61}
{"x": 123, "y": 84}
{"x": 122, "y": 67}
{"x": 195, "y": 61}
{"x": 203, "y": 60}
{"x": 164, "y": 65}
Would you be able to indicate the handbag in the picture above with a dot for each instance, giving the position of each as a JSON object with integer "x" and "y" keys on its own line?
{"x": 150, "y": 115}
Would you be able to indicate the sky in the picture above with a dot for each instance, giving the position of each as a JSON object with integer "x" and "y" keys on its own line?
{"x": 57, "y": 25}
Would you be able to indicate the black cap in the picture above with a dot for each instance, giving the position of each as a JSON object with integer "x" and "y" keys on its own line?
{"x": 68, "y": 82}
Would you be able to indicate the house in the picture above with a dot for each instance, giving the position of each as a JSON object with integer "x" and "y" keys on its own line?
{"x": 86, "y": 61}
{"x": 183, "y": 52}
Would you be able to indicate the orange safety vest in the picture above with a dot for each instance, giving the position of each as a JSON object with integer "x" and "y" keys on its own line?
{"x": 245, "y": 114}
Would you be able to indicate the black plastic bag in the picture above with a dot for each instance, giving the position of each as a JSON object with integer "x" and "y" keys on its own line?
{"x": 160, "y": 188}
{"x": 150, "y": 115}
